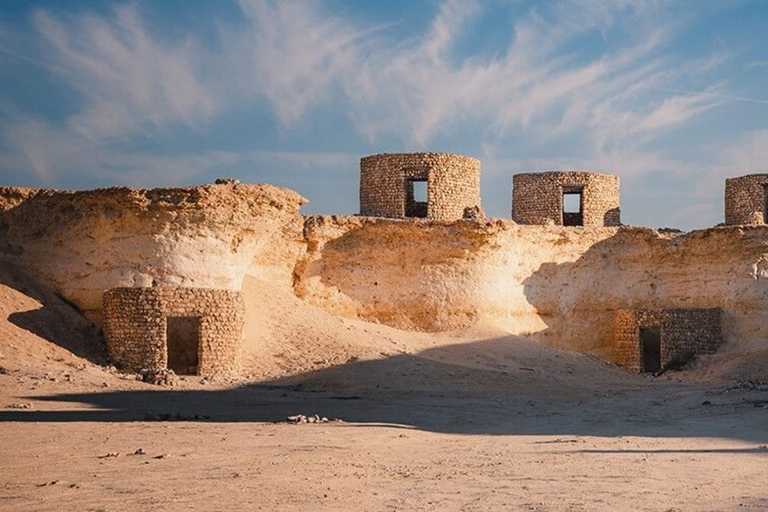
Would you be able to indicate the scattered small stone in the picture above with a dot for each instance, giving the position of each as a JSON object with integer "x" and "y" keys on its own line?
{"x": 706, "y": 402}
{"x": 159, "y": 376}
{"x": 23, "y": 405}
{"x": 3, "y": 371}
{"x": 109, "y": 455}
{"x": 163, "y": 456}
{"x": 301, "y": 418}
{"x": 45, "y": 484}
{"x": 139, "y": 451}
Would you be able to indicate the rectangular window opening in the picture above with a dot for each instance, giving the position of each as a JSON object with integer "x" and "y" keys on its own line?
{"x": 650, "y": 349}
{"x": 416, "y": 197}
{"x": 182, "y": 336}
{"x": 573, "y": 206}
{"x": 420, "y": 191}
{"x": 572, "y": 202}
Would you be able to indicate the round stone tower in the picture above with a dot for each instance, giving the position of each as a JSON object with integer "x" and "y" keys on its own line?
{"x": 426, "y": 185}
{"x": 746, "y": 199}
{"x": 566, "y": 198}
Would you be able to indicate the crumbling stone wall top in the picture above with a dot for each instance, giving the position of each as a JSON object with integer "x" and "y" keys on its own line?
{"x": 388, "y": 181}
{"x": 538, "y": 198}
{"x": 746, "y": 199}
{"x": 651, "y": 340}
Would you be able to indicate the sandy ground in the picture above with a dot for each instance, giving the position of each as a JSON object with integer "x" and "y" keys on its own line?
{"x": 476, "y": 420}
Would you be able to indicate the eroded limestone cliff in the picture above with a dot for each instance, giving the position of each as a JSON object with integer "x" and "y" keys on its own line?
{"x": 83, "y": 243}
{"x": 559, "y": 286}
{"x": 556, "y": 285}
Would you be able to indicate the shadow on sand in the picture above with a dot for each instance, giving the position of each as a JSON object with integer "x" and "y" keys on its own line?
{"x": 448, "y": 390}
{"x": 56, "y": 320}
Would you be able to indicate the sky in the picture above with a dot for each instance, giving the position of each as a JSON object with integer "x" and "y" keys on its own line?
{"x": 669, "y": 95}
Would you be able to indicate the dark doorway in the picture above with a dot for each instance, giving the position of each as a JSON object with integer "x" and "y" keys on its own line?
{"x": 650, "y": 349}
{"x": 182, "y": 336}
{"x": 416, "y": 198}
{"x": 573, "y": 206}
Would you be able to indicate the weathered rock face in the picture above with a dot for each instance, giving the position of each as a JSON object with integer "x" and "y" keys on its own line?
{"x": 557, "y": 285}
{"x": 560, "y": 286}
{"x": 83, "y": 243}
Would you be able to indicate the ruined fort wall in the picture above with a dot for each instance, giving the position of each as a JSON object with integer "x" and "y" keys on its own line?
{"x": 746, "y": 199}
{"x": 453, "y": 183}
{"x": 537, "y": 198}
{"x": 557, "y": 285}
{"x": 684, "y": 333}
{"x": 135, "y": 326}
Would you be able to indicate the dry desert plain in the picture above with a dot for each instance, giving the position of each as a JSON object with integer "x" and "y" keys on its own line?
{"x": 466, "y": 420}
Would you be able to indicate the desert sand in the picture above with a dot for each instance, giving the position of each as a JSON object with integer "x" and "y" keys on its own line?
{"x": 465, "y": 420}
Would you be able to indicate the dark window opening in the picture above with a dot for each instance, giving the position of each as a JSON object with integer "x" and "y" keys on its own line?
{"x": 416, "y": 198}
{"x": 573, "y": 206}
{"x": 182, "y": 336}
{"x": 650, "y": 349}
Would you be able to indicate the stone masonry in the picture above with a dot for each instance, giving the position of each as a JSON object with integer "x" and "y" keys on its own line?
{"x": 746, "y": 199}
{"x": 537, "y": 198}
{"x": 136, "y": 326}
{"x": 682, "y": 334}
{"x": 387, "y": 185}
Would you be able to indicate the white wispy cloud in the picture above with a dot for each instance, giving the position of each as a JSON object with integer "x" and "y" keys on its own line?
{"x": 603, "y": 75}
{"x": 129, "y": 78}
{"x": 293, "y": 54}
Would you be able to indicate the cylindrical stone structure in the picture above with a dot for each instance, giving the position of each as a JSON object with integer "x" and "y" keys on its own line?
{"x": 428, "y": 185}
{"x": 566, "y": 198}
{"x": 746, "y": 199}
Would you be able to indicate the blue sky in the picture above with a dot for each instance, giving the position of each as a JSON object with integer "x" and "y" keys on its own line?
{"x": 671, "y": 96}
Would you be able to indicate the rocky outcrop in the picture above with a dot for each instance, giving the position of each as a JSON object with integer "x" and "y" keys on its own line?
{"x": 83, "y": 243}
{"x": 559, "y": 286}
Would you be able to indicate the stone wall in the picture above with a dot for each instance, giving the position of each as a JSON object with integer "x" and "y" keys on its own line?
{"x": 684, "y": 333}
{"x": 745, "y": 199}
{"x": 386, "y": 185}
{"x": 135, "y": 326}
{"x": 537, "y": 198}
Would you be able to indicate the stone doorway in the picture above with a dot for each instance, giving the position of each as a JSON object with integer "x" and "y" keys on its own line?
{"x": 182, "y": 337}
{"x": 650, "y": 349}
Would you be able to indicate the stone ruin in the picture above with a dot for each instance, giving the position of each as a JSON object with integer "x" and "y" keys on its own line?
{"x": 199, "y": 330}
{"x": 192, "y": 331}
{"x": 566, "y": 198}
{"x": 654, "y": 340}
{"x": 746, "y": 199}
{"x": 436, "y": 186}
